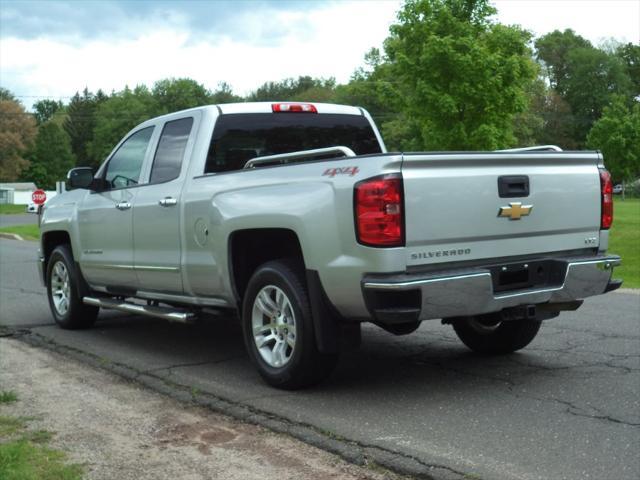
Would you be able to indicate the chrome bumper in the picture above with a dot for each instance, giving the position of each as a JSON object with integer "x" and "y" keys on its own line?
{"x": 471, "y": 292}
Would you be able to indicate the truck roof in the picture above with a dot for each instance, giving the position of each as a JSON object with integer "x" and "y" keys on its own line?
{"x": 266, "y": 107}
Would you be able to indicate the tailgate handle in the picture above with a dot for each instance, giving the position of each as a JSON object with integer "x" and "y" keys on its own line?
{"x": 511, "y": 186}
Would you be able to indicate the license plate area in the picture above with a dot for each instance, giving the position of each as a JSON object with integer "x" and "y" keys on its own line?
{"x": 526, "y": 275}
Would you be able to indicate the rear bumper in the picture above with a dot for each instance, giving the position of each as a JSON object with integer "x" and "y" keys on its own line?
{"x": 455, "y": 293}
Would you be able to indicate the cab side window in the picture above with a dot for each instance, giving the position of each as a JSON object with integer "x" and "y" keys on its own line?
{"x": 173, "y": 142}
{"x": 125, "y": 165}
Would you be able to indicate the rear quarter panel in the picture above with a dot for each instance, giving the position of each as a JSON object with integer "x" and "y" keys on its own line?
{"x": 304, "y": 198}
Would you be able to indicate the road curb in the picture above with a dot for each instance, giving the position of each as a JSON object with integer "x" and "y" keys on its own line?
{"x": 351, "y": 451}
{"x": 11, "y": 236}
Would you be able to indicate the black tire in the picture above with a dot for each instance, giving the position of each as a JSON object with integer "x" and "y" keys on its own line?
{"x": 305, "y": 365}
{"x": 488, "y": 334}
{"x": 76, "y": 315}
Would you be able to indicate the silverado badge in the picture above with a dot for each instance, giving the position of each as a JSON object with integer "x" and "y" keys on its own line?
{"x": 515, "y": 210}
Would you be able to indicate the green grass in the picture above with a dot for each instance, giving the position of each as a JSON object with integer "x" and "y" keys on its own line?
{"x": 8, "y": 397}
{"x": 624, "y": 240}
{"x": 24, "y": 460}
{"x": 28, "y": 232}
{"x": 10, "y": 426}
{"x": 6, "y": 209}
{"x": 24, "y": 454}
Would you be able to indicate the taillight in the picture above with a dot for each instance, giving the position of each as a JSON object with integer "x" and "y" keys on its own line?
{"x": 378, "y": 205}
{"x": 293, "y": 107}
{"x": 606, "y": 191}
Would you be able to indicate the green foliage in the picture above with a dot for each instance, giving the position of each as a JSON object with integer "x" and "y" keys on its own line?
{"x": 17, "y": 131}
{"x": 116, "y": 116}
{"x": 617, "y": 135}
{"x": 553, "y": 50}
{"x": 585, "y": 77}
{"x": 7, "y": 95}
{"x": 303, "y": 88}
{"x": 630, "y": 56}
{"x": 224, "y": 94}
{"x": 51, "y": 157}
{"x": 548, "y": 119}
{"x": 80, "y": 123}
{"x": 461, "y": 77}
{"x": 174, "y": 94}
{"x": 46, "y": 109}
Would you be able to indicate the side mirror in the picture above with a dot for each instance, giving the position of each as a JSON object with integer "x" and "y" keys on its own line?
{"x": 81, "y": 177}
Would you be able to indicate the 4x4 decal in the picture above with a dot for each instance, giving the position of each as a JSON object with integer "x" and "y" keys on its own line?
{"x": 332, "y": 172}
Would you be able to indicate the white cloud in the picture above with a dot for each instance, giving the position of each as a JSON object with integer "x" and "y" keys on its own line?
{"x": 325, "y": 41}
{"x": 595, "y": 20}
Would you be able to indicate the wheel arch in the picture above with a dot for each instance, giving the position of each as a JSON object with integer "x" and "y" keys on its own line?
{"x": 250, "y": 248}
{"x": 50, "y": 241}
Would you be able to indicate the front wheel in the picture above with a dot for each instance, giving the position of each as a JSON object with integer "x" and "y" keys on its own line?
{"x": 278, "y": 328}
{"x": 66, "y": 305}
{"x": 488, "y": 334}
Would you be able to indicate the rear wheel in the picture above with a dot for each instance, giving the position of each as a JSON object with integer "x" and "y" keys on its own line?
{"x": 278, "y": 328}
{"x": 490, "y": 335}
{"x": 67, "y": 307}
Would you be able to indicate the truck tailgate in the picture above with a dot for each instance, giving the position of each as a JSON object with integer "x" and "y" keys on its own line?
{"x": 453, "y": 204}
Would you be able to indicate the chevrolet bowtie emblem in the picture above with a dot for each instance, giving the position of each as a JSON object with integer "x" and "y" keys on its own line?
{"x": 515, "y": 210}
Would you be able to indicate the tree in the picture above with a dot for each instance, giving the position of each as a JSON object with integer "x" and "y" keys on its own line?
{"x": 116, "y": 116}
{"x": 617, "y": 135}
{"x": 51, "y": 157}
{"x": 595, "y": 77}
{"x": 7, "y": 95}
{"x": 584, "y": 76}
{"x": 548, "y": 119}
{"x": 300, "y": 89}
{"x": 553, "y": 51}
{"x": 224, "y": 94}
{"x": 80, "y": 123}
{"x": 17, "y": 131}
{"x": 630, "y": 56}
{"x": 375, "y": 89}
{"x": 174, "y": 94}
{"x": 461, "y": 76}
{"x": 46, "y": 109}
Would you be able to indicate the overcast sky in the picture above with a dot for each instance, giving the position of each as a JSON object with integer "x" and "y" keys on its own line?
{"x": 53, "y": 48}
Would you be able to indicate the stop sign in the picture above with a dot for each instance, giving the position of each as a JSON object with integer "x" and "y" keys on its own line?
{"x": 39, "y": 197}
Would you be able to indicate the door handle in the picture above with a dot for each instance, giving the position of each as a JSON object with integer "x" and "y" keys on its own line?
{"x": 168, "y": 202}
{"x": 123, "y": 206}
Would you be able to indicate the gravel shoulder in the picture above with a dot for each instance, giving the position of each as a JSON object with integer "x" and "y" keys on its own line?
{"x": 117, "y": 429}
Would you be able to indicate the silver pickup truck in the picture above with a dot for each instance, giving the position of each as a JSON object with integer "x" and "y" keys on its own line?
{"x": 295, "y": 217}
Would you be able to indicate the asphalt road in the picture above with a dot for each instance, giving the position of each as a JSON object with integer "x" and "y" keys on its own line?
{"x": 18, "y": 219}
{"x": 567, "y": 407}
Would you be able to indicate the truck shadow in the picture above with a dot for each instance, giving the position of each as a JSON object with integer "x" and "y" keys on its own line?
{"x": 212, "y": 356}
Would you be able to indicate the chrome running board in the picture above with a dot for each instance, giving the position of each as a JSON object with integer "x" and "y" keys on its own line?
{"x": 166, "y": 313}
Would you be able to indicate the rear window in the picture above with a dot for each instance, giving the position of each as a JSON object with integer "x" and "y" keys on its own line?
{"x": 238, "y": 138}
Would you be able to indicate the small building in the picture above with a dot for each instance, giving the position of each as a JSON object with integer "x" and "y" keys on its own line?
{"x": 19, "y": 193}
{"x": 16, "y": 192}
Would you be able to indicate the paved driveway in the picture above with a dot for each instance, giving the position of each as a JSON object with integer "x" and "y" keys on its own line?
{"x": 567, "y": 407}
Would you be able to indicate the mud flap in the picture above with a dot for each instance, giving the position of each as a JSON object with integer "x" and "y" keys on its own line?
{"x": 325, "y": 318}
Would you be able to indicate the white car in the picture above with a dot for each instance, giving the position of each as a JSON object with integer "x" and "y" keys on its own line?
{"x": 32, "y": 208}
